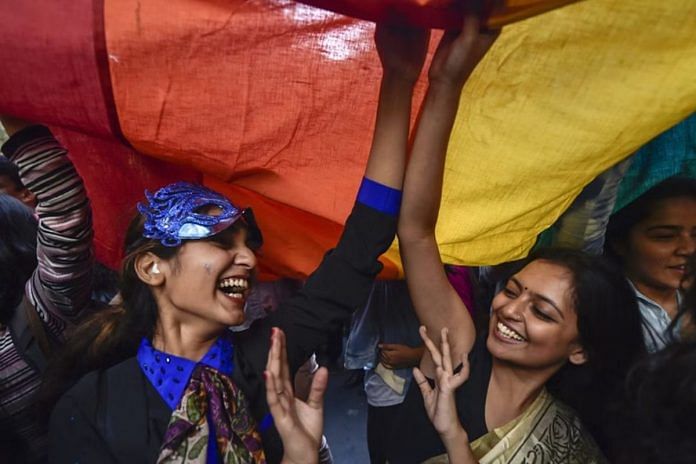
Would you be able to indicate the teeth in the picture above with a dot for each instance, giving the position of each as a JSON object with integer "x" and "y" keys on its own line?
{"x": 507, "y": 332}
{"x": 234, "y": 286}
{"x": 234, "y": 282}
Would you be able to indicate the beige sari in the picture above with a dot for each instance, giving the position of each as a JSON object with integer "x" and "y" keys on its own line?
{"x": 547, "y": 432}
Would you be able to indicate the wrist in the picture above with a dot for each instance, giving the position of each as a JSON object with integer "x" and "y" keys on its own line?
{"x": 441, "y": 85}
{"x": 307, "y": 460}
{"x": 455, "y": 436}
{"x": 399, "y": 79}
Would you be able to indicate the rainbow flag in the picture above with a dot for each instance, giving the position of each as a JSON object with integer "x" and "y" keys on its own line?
{"x": 272, "y": 102}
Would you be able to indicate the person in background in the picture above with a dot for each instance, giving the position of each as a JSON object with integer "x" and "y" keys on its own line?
{"x": 45, "y": 275}
{"x": 384, "y": 344}
{"x": 656, "y": 424}
{"x": 11, "y": 183}
{"x": 652, "y": 239}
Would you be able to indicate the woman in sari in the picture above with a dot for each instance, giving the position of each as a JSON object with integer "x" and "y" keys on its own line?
{"x": 562, "y": 331}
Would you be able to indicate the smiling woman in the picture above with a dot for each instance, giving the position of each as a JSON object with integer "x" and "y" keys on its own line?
{"x": 653, "y": 239}
{"x": 562, "y": 332}
{"x": 167, "y": 374}
{"x": 169, "y": 382}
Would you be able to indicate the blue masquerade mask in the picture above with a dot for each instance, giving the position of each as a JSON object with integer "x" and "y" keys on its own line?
{"x": 174, "y": 214}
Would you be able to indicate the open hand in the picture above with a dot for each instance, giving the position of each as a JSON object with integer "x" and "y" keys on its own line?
{"x": 439, "y": 401}
{"x": 460, "y": 51}
{"x": 401, "y": 50}
{"x": 299, "y": 424}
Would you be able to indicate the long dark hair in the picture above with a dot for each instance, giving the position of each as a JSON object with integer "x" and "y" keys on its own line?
{"x": 657, "y": 422}
{"x": 17, "y": 253}
{"x": 609, "y": 329}
{"x": 112, "y": 334}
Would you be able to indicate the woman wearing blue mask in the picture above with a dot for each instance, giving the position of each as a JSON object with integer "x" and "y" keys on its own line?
{"x": 169, "y": 382}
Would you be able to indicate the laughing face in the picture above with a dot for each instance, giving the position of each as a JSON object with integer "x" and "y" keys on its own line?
{"x": 208, "y": 281}
{"x": 533, "y": 321}
{"x": 657, "y": 249}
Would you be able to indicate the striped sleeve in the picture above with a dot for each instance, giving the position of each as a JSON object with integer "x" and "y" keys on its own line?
{"x": 60, "y": 287}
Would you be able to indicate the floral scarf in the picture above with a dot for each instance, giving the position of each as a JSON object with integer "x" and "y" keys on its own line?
{"x": 211, "y": 396}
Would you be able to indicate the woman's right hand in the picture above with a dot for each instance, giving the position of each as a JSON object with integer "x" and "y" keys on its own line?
{"x": 440, "y": 401}
{"x": 299, "y": 424}
{"x": 458, "y": 53}
{"x": 401, "y": 50}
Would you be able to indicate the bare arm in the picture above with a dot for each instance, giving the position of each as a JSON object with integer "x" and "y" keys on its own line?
{"x": 402, "y": 53}
{"x": 436, "y": 302}
{"x": 345, "y": 277}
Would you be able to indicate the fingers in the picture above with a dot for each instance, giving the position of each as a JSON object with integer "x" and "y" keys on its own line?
{"x": 464, "y": 372}
{"x": 422, "y": 382}
{"x": 277, "y": 371}
{"x": 463, "y": 375}
{"x": 386, "y": 360}
{"x": 389, "y": 346}
{"x": 434, "y": 352}
{"x": 285, "y": 367}
{"x": 272, "y": 397}
{"x": 273, "y": 363}
{"x": 446, "y": 357}
{"x": 315, "y": 399}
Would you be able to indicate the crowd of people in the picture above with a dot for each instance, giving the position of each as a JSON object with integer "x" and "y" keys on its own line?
{"x": 580, "y": 358}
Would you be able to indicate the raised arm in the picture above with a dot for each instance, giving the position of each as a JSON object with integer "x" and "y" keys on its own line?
{"x": 343, "y": 280}
{"x": 436, "y": 302}
{"x": 402, "y": 53}
{"x": 60, "y": 287}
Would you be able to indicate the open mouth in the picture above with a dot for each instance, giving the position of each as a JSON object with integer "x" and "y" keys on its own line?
{"x": 509, "y": 333}
{"x": 234, "y": 287}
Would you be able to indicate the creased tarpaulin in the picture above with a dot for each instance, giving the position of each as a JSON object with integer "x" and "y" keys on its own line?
{"x": 277, "y": 99}
{"x": 443, "y": 14}
{"x": 559, "y": 99}
{"x": 54, "y": 66}
{"x": 116, "y": 177}
{"x": 274, "y": 97}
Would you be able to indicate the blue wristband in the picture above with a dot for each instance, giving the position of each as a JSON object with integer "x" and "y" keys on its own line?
{"x": 380, "y": 197}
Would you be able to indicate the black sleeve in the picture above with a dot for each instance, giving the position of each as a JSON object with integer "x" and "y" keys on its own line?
{"x": 339, "y": 286}
{"x": 73, "y": 437}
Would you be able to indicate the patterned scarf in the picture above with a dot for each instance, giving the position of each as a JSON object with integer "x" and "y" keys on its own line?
{"x": 213, "y": 395}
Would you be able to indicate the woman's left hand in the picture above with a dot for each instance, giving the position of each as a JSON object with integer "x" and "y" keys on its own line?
{"x": 299, "y": 424}
{"x": 439, "y": 401}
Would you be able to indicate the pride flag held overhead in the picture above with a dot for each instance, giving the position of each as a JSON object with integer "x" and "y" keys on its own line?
{"x": 272, "y": 102}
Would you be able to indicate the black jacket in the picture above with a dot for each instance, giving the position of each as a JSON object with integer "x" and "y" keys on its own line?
{"x": 116, "y": 416}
